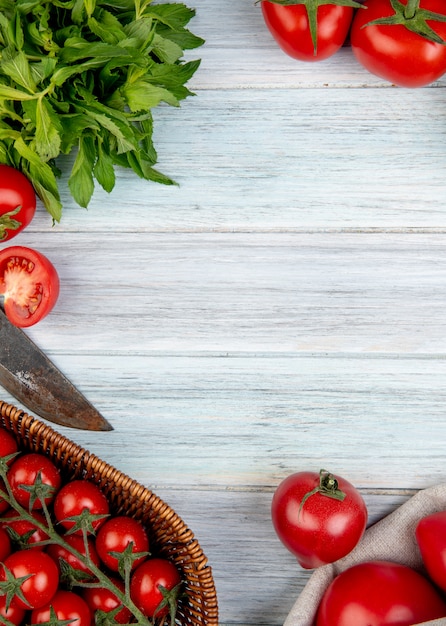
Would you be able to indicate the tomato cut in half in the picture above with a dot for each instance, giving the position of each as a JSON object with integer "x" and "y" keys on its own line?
{"x": 29, "y": 284}
{"x": 17, "y": 202}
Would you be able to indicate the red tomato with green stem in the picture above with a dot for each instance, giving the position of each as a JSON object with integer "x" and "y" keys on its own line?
{"x": 319, "y": 517}
{"x": 379, "y": 593}
{"x": 114, "y": 537}
{"x": 31, "y": 573}
{"x": 102, "y": 599}
{"x": 68, "y": 606}
{"x": 402, "y": 42}
{"x": 430, "y": 534}
{"x": 17, "y": 202}
{"x": 13, "y": 614}
{"x": 75, "y": 543}
{"x": 76, "y": 498}
{"x": 155, "y": 587}
{"x": 34, "y": 471}
{"x": 309, "y": 31}
{"x": 25, "y": 533}
{"x": 29, "y": 284}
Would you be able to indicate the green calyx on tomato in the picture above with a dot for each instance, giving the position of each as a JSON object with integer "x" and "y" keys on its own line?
{"x": 412, "y": 17}
{"x": 312, "y": 7}
{"x": 328, "y": 486}
{"x": 8, "y": 223}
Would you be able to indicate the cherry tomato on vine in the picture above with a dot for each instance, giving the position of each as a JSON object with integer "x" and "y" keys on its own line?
{"x": 41, "y": 578}
{"x": 430, "y": 534}
{"x": 67, "y": 605}
{"x": 115, "y": 535}
{"x": 24, "y": 532}
{"x": 154, "y": 587}
{"x": 8, "y": 445}
{"x": 101, "y": 599}
{"x": 401, "y": 42}
{"x": 13, "y": 614}
{"x": 76, "y": 542}
{"x": 76, "y": 497}
{"x": 311, "y": 31}
{"x": 17, "y": 202}
{"x": 33, "y": 469}
{"x": 379, "y": 593}
{"x": 29, "y": 284}
{"x": 319, "y": 517}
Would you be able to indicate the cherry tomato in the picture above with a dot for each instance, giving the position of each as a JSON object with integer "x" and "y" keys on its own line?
{"x": 25, "y": 533}
{"x": 17, "y": 202}
{"x": 33, "y": 469}
{"x": 42, "y": 578}
{"x": 29, "y": 284}
{"x": 379, "y": 593}
{"x": 115, "y": 535}
{"x": 12, "y": 613}
{"x": 145, "y": 586}
{"x": 5, "y": 544}
{"x": 393, "y": 51}
{"x": 290, "y": 27}
{"x": 68, "y": 606}
{"x": 101, "y": 599}
{"x": 319, "y": 517}
{"x": 8, "y": 445}
{"x": 430, "y": 534}
{"x": 76, "y": 497}
{"x": 76, "y": 542}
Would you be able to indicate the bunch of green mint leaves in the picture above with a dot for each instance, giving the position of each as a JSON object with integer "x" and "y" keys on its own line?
{"x": 83, "y": 77}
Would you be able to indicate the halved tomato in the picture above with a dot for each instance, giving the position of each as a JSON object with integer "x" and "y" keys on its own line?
{"x": 29, "y": 284}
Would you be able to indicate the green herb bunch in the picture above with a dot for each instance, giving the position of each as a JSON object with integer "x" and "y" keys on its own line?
{"x": 84, "y": 76}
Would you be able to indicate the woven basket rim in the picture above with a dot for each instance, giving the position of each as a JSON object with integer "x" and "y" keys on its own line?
{"x": 36, "y": 433}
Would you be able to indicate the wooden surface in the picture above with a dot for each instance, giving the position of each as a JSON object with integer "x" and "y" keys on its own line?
{"x": 283, "y": 308}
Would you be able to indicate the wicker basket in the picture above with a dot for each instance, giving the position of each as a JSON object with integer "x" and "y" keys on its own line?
{"x": 169, "y": 535}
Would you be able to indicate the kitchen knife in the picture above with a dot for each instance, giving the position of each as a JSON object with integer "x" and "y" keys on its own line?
{"x": 27, "y": 374}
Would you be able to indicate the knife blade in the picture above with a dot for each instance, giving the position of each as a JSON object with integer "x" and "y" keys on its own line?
{"x": 29, "y": 375}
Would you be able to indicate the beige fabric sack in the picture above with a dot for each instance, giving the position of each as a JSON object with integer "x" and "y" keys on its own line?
{"x": 390, "y": 539}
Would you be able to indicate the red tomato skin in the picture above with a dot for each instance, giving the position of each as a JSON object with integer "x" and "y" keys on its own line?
{"x": 394, "y": 52}
{"x": 25, "y": 471}
{"x": 323, "y": 530}
{"x": 115, "y": 535}
{"x": 145, "y": 582}
{"x": 68, "y": 606}
{"x": 13, "y": 614}
{"x": 101, "y": 599}
{"x": 430, "y": 534}
{"x": 15, "y": 191}
{"x": 76, "y": 542}
{"x": 29, "y": 283}
{"x": 43, "y": 579}
{"x": 379, "y": 593}
{"x": 290, "y": 28}
{"x": 76, "y": 496}
{"x": 22, "y": 527}
{"x": 8, "y": 445}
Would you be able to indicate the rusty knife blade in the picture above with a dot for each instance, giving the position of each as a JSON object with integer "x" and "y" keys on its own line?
{"x": 28, "y": 375}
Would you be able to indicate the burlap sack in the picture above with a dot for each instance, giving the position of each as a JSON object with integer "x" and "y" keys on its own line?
{"x": 390, "y": 539}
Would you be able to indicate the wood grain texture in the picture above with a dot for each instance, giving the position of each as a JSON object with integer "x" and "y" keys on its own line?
{"x": 282, "y": 308}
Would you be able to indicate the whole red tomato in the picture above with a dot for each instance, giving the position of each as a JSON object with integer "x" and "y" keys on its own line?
{"x": 114, "y": 537}
{"x": 25, "y": 533}
{"x": 29, "y": 284}
{"x": 33, "y": 469}
{"x": 79, "y": 496}
{"x": 430, "y": 534}
{"x": 101, "y": 599}
{"x": 17, "y": 202}
{"x": 379, "y": 593}
{"x": 40, "y": 577}
{"x": 319, "y": 517}
{"x": 76, "y": 542}
{"x": 306, "y": 36}
{"x": 394, "y": 51}
{"x": 154, "y": 587}
{"x": 8, "y": 447}
{"x": 67, "y": 606}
